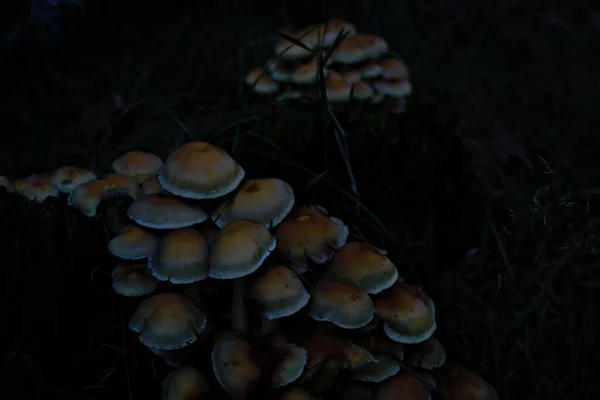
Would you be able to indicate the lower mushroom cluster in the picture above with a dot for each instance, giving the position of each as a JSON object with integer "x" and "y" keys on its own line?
{"x": 263, "y": 297}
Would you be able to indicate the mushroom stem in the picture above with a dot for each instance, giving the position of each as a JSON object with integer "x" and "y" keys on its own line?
{"x": 113, "y": 219}
{"x": 192, "y": 292}
{"x": 269, "y": 326}
{"x": 239, "y": 316}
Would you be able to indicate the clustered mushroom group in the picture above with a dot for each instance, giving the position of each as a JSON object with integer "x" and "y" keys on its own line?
{"x": 355, "y": 66}
{"x": 289, "y": 303}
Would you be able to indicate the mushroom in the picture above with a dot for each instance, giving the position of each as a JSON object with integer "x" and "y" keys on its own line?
{"x": 133, "y": 243}
{"x": 66, "y": 179}
{"x": 168, "y": 321}
{"x": 159, "y": 211}
{"x": 133, "y": 280}
{"x": 88, "y": 196}
{"x": 289, "y": 366}
{"x": 382, "y": 369}
{"x": 267, "y": 201}
{"x": 199, "y": 170}
{"x": 152, "y": 186}
{"x": 341, "y": 303}
{"x": 309, "y": 232}
{"x": 404, "y": 385}
{"x": 280, "y": 293}
{"x": 459, "y": 383}
{"x": 185, "y": 383}
{"x": 181, "y": 257}
{"x": 429, "y": 354}
{"x": 364, "y": 265}
{"x": 40, "y": 187}
{"x": 137, "y": 164}
{"x": 233, "y": 365}
{"x": 408, "y": 312}
{"x": 239, "y": 249}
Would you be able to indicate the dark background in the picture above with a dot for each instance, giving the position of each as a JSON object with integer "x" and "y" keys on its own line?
{"x": 496, "y": 152}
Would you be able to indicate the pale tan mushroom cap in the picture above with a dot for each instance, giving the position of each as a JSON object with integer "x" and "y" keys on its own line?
{"x": 152, "y": 186}
{"x": 364, "y": 265}
{"x": 378, "y": 371}
{"x": 296, "y": 393}
{"x": 429, "y": 354}
{"x": 236, "y": 372}
{"x": 459, "y": 383}
{"x": 88, "y": 196}
{"x": 261, "y": 82}
{"x": 133, "y": 280}
{"x": 181, "y": 256}
{"x": 409, "y": 314}
{"x": 168, "y": 321}
{"x": 267, "y": 201}
{"x": 133, "y": 243}
{"x": 341, "y": 303}
{"x": 290, "y": 367}
{"x": 199, "y": 170}
{"x": 280, "y": 293}
{"x": 309, "y": 232}
{"x": 165, "y": 212}
{"x": 404, "y": 385}
{"x": 40, "y": 187}
{"x": 239, "y": 249}
{"x": 67, "y": 179}
{"x": 184, "y": 383}
{"x": 139, "y": 165}
{"x": 395, "y": 89}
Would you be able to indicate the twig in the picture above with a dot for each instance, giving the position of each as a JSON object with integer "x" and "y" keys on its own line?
{"x": 500, "y": 245}
{"x": 341, "y": 139}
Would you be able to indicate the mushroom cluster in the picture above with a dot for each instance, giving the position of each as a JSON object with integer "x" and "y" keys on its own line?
{"x": 289, "y": 304}
{"x": 355, "y": 66}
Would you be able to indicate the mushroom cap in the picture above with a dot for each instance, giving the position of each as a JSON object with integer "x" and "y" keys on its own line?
{"x": 280, "y": 292}
{"x": 139, "y": 165}
{"x": 133, "y": 280}
{"x": 361, "y": 90}
{"x": 408, "y": 312}
{"x": 309, "y": 232}
{"x": 289, "y": 368}
{"x": 348, "y": 51}
{"x": 233, "y": 366}
{"x": 459, "y": 383}
{"x": 404, "y": 385}
{"x": 364, "y": 265}
{"x": 329, "y": 31}
{"x": 158, "y": 211}
{"x": 184, "y": 383}
{"x": 152, "y": 186}
{"x": 87, "y": 197}
{"x": 323, "y": 346}
{"x": 267, "y": 201}
{"x": 67, "y": 179}
{"x": 379, "y": 371}
{"x": 341, "y": 303}
{"x": 133, "y": 243}
{"x": 394, "y": 89}
{"x": 429, "y": 354}
{"x": 393, "y": 69}
{"x": 40, "y": 187}
{"x": 181, "y": 256}
{"x": 168, "y": 321}
{"x": 261, "y": 82}
{"x": 373, "y": 46}
{"x": 199, "y": 170}
{"x": 239, "y": 249}
{"x": 338, "y": 90}
{"x": 296, "y": 393}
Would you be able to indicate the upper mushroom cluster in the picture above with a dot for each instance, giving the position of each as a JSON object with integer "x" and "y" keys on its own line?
{"x": 355, "y": 66}
{"x": 309, "y": 310}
